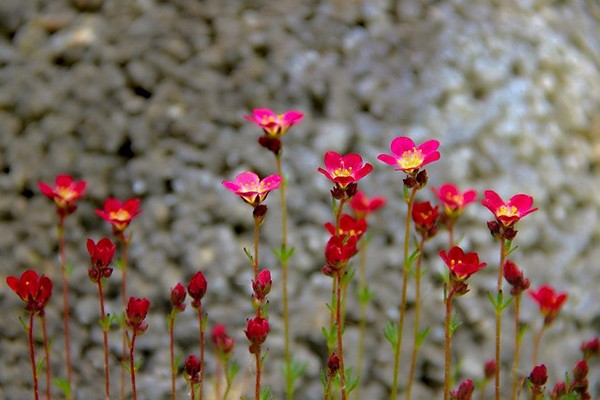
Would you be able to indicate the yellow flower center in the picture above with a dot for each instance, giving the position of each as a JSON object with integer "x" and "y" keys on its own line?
{"x": 120, "y": 215}
{"x": 65, "y": 193}
{"x": 342, "y": 172}
{"x": 507, "y": 211}
{"x": 411, "y": 159}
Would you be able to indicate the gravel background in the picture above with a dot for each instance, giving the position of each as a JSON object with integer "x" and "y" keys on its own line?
{"x": 146, "y": 98}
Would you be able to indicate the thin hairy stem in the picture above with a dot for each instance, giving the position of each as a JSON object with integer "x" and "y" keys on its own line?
{"x": 499, "y": 318}
{"x": 201, "y": 323}
{"x": 416, "y": 324}
{"x": 536, "y": 343}
{"x": 398, "y": 348}
{"x": 448, "y": 338}
{"x": 132, "y": 366}
{"x": 172, "y": 351}
{"x": 65, "y": 286}
{"x": 339, "y": 324}
{"x": 258, "y": 371}
{"x": 105, "y": 340}
{"x": 515, "y": 366}
{"x": 124, "y": 304}
{"x": 362, "y": 327}
{"x": 47, "y": 354}
{"x": 32, "y": 357}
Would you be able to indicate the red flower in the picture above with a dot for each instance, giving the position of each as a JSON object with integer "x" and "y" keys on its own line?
{"x": 462, "y": 265}
{"x": 348, "y": 227}
{"x": 251, "y": 188}
{"x": 222, "y": 342}
{"x": 590, "y": 348}
{"x": 452, "y": 200}
{"x": 136, "y": 311}
{"x": 119, "y": 214}
{"x": 539, "y": 375}
{"x": 257, "y": 331}
{"x": 262, "y": 284}
{"x": 549, "y": 300}
{"x": 272, "y": 124}
{"x": 407, "y": 157}
{"x": 339, "y": 250}
{"x": 425, "y": 217}
{"x": 178, "y": 295}
{"x": 192, "y": 367}
{"x": 510, "y": 212}
{"x": 197, "y": 288}
{"x": 65, "y": 193}
{"x": 344, "y": 170}
{"x": 363, "y": 206}
{"x": 101, "y": 254}
{"x": 33, "y": 290}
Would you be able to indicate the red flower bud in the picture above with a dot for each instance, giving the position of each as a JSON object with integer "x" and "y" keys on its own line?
{"x": 257, "y": 331}
{"x": 339, "y": 250}
{"x": 591, "y": 348}
{"x": 560, "y": 390}
{"x": 514, "y": 276}
{"x": 178, "y": 295}
{"x": 136, "y": 311}
{"x": 197, "y": 288}
{"x": 489, "y": 369}
{"x": 333, "y": 365}
{"x": 539, "y": 375}
{"x": 262, "y": 284}
{"x": 464, "y": 391}
{"x": 581, "y": 370}
{"x": 192, "y": 368}
{"x": 101, "y": 254}
{"x": 222, "y": 342}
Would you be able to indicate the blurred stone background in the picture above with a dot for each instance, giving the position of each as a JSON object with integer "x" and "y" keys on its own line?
{"x": 146, "y": 98}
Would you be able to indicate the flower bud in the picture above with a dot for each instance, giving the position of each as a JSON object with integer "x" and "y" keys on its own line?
{"x": 262, "y": 284}
{"x": 489, "y": 369}
{"x": 581, "y": 370}
{"x": 333, "y": 365}
{"x": 192, "y": 368}
{"x": 539, "y": 375}
{"x": 590, "y": 348}
{"x": 222, "y": 342}
{"x": 560, "y": 390}
{"x": 464, "y": 391}
{"x": 257, "y": 331}
{"x": 197, "y": 288}
{"x": 178, "y": 295}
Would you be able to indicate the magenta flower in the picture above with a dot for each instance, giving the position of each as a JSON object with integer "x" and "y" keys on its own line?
{"x": 272, "y": 124}
{"x": 409, "y": 158}
{"x": 178, "y": 295}
{"x": 256, "y": 332}
{"x": 344, "y": 170}
{"x": 510, "y": 212}
{"x": 251, "y": 188}
{"x": 338, "y": 251}
{"x": 348, "y": 227}
{"x": 364, "y": 206}
{"x": 452, "y": 199}
{"x": 65, "y": 193}
{"x": 461, "y": 265}
{"x": 549, "y": 300}
{"x": 119, "y": 214}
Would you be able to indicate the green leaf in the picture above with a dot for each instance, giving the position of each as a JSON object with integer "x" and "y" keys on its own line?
{"x": 204, "y": 321}
{"x": 348, "y": 275}
{"x": 411, "y": 259}
{"x": 68, "y": 269}
{"x": 248, "y": 254}
{"x": 364, "y": 295}
{"x": 330, "y": 336}
{"x": 23, "y": 324}
{"x": 263, "y": 357}
{"x": 283, "y": 254}
{"x": 454, "y": 324}
{"x": 351, "y": 381}
{"x": 107, "y": 322}
{"x": 120, "y": 264}
{"x": 391, "y": 334}
{"x": 522, "y": 329}
{"x": 64, "y": 386}
{"x": 422, "y": 336}
{"x": 177, "y": 362}
{"x": 293, "y": 370}
{"x": 231, "y": 371}
{"x": 40, "y": 364}
{"x": 265, "y": 393}
{"x": 323, "y": 380}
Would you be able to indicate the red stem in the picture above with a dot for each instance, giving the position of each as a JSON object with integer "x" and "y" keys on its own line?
{"x": 499, "y": 319}
{"x": 338, "y": 317}
{"x": 416, "y": 323}
{"x": 123, "y": 239}
{"x": 201, "y": 382}
{"x": 448, "y": 338}
{"x": 132, "y": 365}
{"x": 172, "y": 351}
{"x": 32, "y": 356}
{"x": 104, "y": 340}
{"x": 258, "y": 370}
{"x": 47, "y": 353}
{"x": 65, "y": 285}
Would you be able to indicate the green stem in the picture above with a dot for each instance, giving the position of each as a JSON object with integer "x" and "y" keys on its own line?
{"x": 536, "y": 344}
{"x": 339, "y": 324}
{"x": 416, "y": 327}
{"x": 398, "y": 348}
{"x": 65, "y": 285}
{"x": 515, "y": 367}
{"x": 47, "y": 353}
{"x": 362, "y": 287}
{"x": 32, "y": 357}
{"x": 105, "y": 340}
{"x": 448, "y": 338}
{"x": 499, "y": 318}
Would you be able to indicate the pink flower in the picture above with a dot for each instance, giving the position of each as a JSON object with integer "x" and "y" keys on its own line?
{"x": 344, "y": 170}
{"x": 364, "y": 206}
{"x": 409, "y": 158}
{"x": 549, "y": 300}
{"x": 464, "y": 391}
{"x": 452, "y": 199}
{"x": 65, "y": 193}
{"x": 251, "y": 188}
{"x": 272, "y": 124}
{"x": 136, "y": 312}
{"x": 119, "y": 214}
{"x": 197, "y": 288}
{"x": 461, "y": 265}
{"x": 34, "y": 290}
{"x": 348, "y": 227}
{"x": 510, "y": 212}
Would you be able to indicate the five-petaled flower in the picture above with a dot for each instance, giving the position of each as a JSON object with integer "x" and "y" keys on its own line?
{"x": 222, "y": 342}
{"x": 101, "y": 254}
{"x": 192, "y": 367}
{"x": 339, "y": 250}
{"x": 34, "y": 290}
{"x": 425, "y": 217}
{"x": 251, "y": 188}
{"x": 549, "y": 300}
{"x": 256, "y": 331}
{"x": 119, "y": 214}
{"x": 348, "y": 227}
{"x": 197, "y": 288}
{"x": 408, "y": 157}
{"x": 344, "y": 170}
{"x": 364, "y": 206}
{"x": 275, "y": 125}
{"x": 453, "y": 200}
{"x": 136, "y": 311}
{"x": 510, "y": 212}
{"x": 461, "y": 265}
{"x": 65, "y": 193}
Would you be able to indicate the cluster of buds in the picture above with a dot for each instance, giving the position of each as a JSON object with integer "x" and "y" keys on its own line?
{"x": 136, "y": 311}
{"x": 101, "y": 255}
{"x": 34, "y": 290}
{"x": 514, "y": 276}
{"x": 461, "y": 266}
{"x": 464, "y": 391}
{"x": 425, "y": 217}
{"x": 409, "y": 158}
{"x": 507, "y": 213}
{"x": 538, "y": 378}
{"x": 580, "y": 384}
{"x": 65, "y": 193}
{"x": 256, "y": 331}
{"x": 274, "y": 126}
{"x": 222, "y": 342}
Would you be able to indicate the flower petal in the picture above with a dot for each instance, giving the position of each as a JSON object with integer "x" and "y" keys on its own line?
{"x": 401, "y": 144}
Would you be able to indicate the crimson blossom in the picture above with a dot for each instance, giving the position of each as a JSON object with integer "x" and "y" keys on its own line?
{"x": 119, "y": 214}
{"x": 222, "y": 341}
{"x": 192, "y": 368}
{"x": 339, "y": 250}
{"x": 251, "y": 188}
{"x": 262, "y": 284}
{"x": 136, "y": 311}
{"x": 348, "y": 227}
{"x": 425, "y": 217}
{"x": 461, "y": 265}
{"x": 274, "y": 125}
{"x": 364, "y": 206}
{"x": 101, "y": 254}
{"x": 344, "y": 170}
{"x": 549, "y": 300}
{"x": 408, "y": 157}
{"x": 34, "y": 290}
{"x": 65, "y": 193}
{"x": 453, "y": 200}
{"x": 178, "y": 295}
{"x": 508, "y": 213}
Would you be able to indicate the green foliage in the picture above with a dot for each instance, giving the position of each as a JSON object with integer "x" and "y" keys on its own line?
{"x": 68, "y": 269}
{"x": 364, "y": 295}
{"x": 107, "y": 321}
{"x": 421, "y": 337}
{"x": 283, "y": 254}
{"x": 249, "y": 255}
{"x": 263, "y": 358}
{"x": 408, "y": 263}
{"x": 454, "y": 324}
{"x": 330, "y": 336}
{"x": 231, "y": 371}
{"x": 292, "y": 371}
{"x": 498, "y": 303}
{"x": 391, "y": 334}
{"x": 120, "y": 264}
{"x": 64, "y": 386}
{"x": 265, "y": 393}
